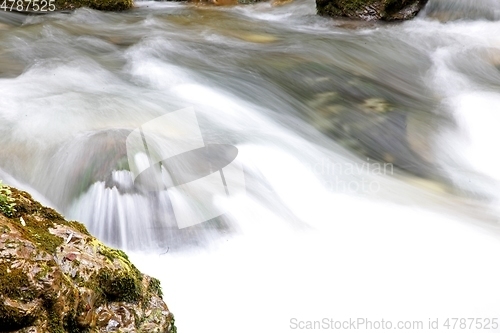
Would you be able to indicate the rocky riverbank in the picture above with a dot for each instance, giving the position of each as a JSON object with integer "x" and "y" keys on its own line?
{"x": 57, "y": 278}
{"x": 386, "y": 10}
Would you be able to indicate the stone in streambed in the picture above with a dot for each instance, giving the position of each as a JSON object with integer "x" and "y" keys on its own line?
{"x": 377, "y": 105}
{"x": 385, "y": 10}
{"x": 106, "y": 5}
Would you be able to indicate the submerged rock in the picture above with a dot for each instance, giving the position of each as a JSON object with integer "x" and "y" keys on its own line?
{"x": 386, "y": 10}
{"x": 374, "y": 127}
{"x": 56, "y": 278}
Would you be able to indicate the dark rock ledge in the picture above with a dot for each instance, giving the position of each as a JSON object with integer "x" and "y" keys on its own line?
{"x": 108, "y": 5}
{"x": 57, "y": 278}
{"x": 384, "y": 10}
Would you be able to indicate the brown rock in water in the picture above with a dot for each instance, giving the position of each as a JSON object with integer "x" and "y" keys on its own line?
{"x": 385, "y": 10}
{"x": 107, "y": 5}
{"x": 56, "y": 278}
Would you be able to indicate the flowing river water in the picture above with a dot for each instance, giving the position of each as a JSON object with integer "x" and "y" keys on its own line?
{"x": 371, "y": 170}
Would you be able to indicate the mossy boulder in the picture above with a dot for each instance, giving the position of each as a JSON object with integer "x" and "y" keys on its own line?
{"x": 107, "y": 5}
{"x": 385, "y": 10}
{"x": 56, "y": 278}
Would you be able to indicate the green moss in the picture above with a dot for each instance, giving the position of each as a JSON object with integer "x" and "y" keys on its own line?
{"x": 11, "y": 319}
{"x": 110, "y": 253}
{"x": 114, "y": 255}
{"x": 4, "y": 229}
{"x": 38, "y": 220}
{"x": 26, "y": 205}
{"x": 37, "y": 231}
{"x": 123, "y": 284}
{"x": 79, "y": 227}
{"x": 44, "y": 271}
{"x": 15, "y": 284}
{"x": 119, "y": 286}
{"x": 58, "y": 320}
{"x": 71, "y": 324}
{"x": 72, "y": 321}
{"x": 154, "y": 287}
{"x": 6, "y": 201}
{"x": 174, "y": 328}
{"x": 55, "y": 323}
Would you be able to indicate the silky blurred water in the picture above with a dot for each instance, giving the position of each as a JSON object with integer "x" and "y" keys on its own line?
{"x": 369, "y": 150}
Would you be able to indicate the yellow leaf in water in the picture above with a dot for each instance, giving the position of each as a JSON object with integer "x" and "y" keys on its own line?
{"x": 276, "y": 3}
{"x": 257, "y": 38}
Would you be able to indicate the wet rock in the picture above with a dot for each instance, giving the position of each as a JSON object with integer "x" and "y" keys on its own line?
{"x": 107, "y": 5}
{"x": 55, "y": 278}
{"x": 386, "y": 10}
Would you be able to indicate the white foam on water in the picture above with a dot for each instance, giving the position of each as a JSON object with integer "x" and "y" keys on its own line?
{"x": 361, "y": 259}
{"x": 478, "y": 113}
{"x": 467, "y": 151}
